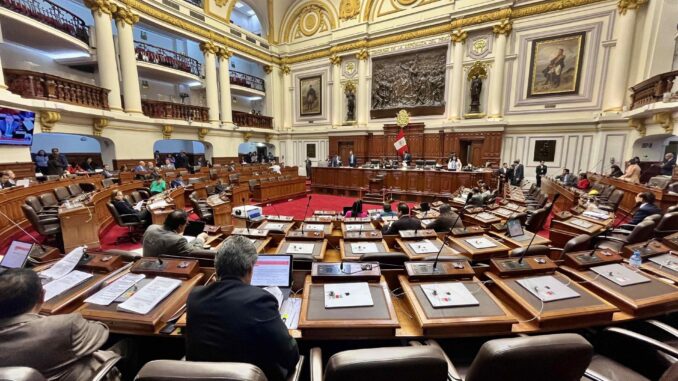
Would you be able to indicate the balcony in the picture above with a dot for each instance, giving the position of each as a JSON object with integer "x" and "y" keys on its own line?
{"x": 50, "y": 14}
{"x": 246, "y": 80}
{"x": 34, "y": 85}
{"x": 244, "y": 119}
{"x": 169, "y": 110}
{"x": 162, "y": 64}
{"x": 652, "y": 90}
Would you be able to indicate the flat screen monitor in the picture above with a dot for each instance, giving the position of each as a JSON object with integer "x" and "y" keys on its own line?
{"x": 16, "y": 127}
{"x": 272, "y": 270}
{"x": 17, "y": 255}
{"x": 514, "y": 228}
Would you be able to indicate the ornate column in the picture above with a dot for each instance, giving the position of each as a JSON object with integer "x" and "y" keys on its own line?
{"x": 456, "y": 76}
{"x": 108, "y": 70}
{"x": 618, "y": 70}
{"x": 225, "y": 85}
{"x": 363, "y": 97}
{"x": 211, "y": 88}
{"x": 288, "y": 96}
{"x": 501, "y": 32}
{"x": 335, "y": 61}
{"x": 124, "y": 20}
{"x": 274, "y": 92}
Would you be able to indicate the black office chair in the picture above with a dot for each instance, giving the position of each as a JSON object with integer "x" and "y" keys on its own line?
{"x": 49, "y": 201}
{"x": 617, "y": 239}
{"x": 579, "y": 243}
{"x": 535, "y": 222}
{"x": 177, "y": 370}
{"x": 45, "y": 226}
{"x": 667, "y": 225}
{"x": 132, "y": 222}
{"x": 39, "y": 209}
{"x": 201, "y": 208}
{"x": 612, "y": 203}
{"x": 61, "y": 194}
{"x": 74, "y": 189}
{"x": 20, "y": 373}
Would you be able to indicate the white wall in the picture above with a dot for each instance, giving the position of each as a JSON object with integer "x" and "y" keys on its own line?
{"x": 652, "y": 148}
{"x": 23, "y": 58}
{"x": 174, "y": 146}
{"x": 66, "y": 143}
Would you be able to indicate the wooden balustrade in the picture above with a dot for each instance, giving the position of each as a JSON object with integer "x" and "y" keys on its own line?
{"x": 244, "y": 119}
{"x": 50, "y": 14}
{"x": 31, "y": 84}
{"x": 164, "y": 57}
{"x": 169, "y": 110}
{"x": 652, "y": 89}
{"x": 246, "y": 80}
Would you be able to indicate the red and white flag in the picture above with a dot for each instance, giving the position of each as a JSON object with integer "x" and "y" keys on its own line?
{"x": 400, "y": 143}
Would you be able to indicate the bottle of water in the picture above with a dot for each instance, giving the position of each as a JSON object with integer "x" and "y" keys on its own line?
{"x": 636, "y": 260}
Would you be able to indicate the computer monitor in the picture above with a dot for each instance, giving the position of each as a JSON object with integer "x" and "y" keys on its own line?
{"x": 273, "y": 270}
{"x": 514, "y": 228}
{"x": 16, "y": 255}
{"x": 253, "y": 213}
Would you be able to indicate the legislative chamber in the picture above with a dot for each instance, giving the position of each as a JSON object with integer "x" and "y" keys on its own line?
{"x": 308, "y": 190}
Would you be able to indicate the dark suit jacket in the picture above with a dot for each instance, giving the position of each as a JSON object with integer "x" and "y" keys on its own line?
{"x": 407, "y": 158}
{"x": 667, "y": 167}
{"x": 403, "y": 223}
{"x": 644, "y": 211}
{"x": 541, "y": 170}
{"x": 159, "y": 241}
{"x": 519, "y": 172}
{"x": 55, "y": 167}
{"x": 445, "y": 222}
{"x": 351, "y": 161}
{"x": 60, "y": 347}
{"x": 231, "y": 321}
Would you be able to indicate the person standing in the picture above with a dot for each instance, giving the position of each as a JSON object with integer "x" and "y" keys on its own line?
{"x": 454, "y": 164}
{"x": 518, "y": 173}
{"x": 309, "y": 165}
{"x": 407, "y": 157}
{"x": 351, "y": 159}
{"x": 55, "y": 165}
{"x": 667, "y": 164}
{"x": 541, "y": 171}
{"x": 41, "y": 160}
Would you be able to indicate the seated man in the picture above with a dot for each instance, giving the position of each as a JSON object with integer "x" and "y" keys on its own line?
{"x": 61, "y": 347}
{"x": 4, "y": 181}
{"x": 231, "y": 321}
{"x": 275, "y": 168}
{"x": 387, "y": 212}
{"x": 446, "y": 220}
{"x": 123, "y": 207}
{"x": 477, "y": 198}
{"x": 404, "y": 222}
{"x": 178, "y": 182}
{"x": 566, "y": 178}
{"x": 647, "y": 207}
{"x": 168, "y": 239}
{"x": 141, "y": 167}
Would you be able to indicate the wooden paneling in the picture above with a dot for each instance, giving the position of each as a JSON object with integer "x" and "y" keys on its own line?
{"x": 225, "y": 160}
{"x": 131, "y": 163}
{"x": 21, "y": 170}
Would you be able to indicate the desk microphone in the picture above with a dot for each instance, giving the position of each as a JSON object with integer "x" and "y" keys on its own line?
{"x": 247, "y": 216}
{"x": 527, "y": 248}
{"x": 435, "y": 263}
{"x": 463, "y": 209}
{"x": 275, "y": 210}
{"x": 307, "y": 205}
{"x": 42, "y": 248}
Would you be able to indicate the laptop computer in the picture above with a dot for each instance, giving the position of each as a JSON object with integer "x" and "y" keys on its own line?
{"x": 274, "y": 271}
{"x": 514, "y": 228}
{"x": 16, "y": 256}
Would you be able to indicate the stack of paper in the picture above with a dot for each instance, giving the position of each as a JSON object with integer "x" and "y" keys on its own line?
{"x": 581, "y": 223}
{"x": 338, "y": 295}
{"x": 300, "y": 248}
{"x": 144, "y": 300}
{"x": 64, "y": 266}
{"x": 449, "y": 295}
{"x": 594, "y": 214}
{"x": 65, "y": 283}
{"x": 548, "y": 288}
{"x": 108, "y": 294}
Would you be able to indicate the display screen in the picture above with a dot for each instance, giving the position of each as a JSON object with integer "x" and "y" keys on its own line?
{"x": 16, "y": 127}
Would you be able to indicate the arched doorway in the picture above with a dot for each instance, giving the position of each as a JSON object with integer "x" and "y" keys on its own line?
{"x": 195, "y": 150}
{"x": 256, "y": 152}
{"x": 244, "y": 16}
{"x": 77, "y": 148}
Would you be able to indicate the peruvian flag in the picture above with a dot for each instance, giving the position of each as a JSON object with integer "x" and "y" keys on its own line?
{"x": 400, "y": 143}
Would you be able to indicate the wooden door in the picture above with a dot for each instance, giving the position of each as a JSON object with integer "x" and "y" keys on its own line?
{"x": 476, "y": 153}
{"x": 344, "y": 149}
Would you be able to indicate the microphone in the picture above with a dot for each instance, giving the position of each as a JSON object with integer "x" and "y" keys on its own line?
{"x": 468, "y": 199}
{"x": 275, "y": 210}
{"x": 42, "y": 248}
{"x": 307, "y": 205}
{"x": 247, "y": 216}
{"x": 435, "y": 263}
{"x": 520, "y": 260}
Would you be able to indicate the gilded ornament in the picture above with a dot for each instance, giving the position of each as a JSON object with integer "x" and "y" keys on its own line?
{"x": 208, "y": 47}
{"x": 459, "y": 36}
{"x": 167, "y": 131}
{"x": 126, "y": 15}
{"x": 362, "y": 54}
{"x": 268, "y": 69}
{"x": 349, "y": 87}
{"x": 479, "y": 46}
{"x": 335, "y": 59}
{"x": 402, "y": 118}
{"x": 224, "y": 53}
{"x": 625, "y": 5}
{"x": 478, "y": 69}
{"x": 638, "y": 125}
{"x": 268, "y": 138}
{"x": 98, "y": 126}
{"x": 348, "y": 9}
{"x": 101, "y": 6}
{"x": 286, "y": 69}
{"x": 202, "y": 132}
{"x": 665, "y": 120}
{"x": 48, "y": 119}
{"x": 504, "y": 27}
{"x": 220, "y": 3}
{"x": 247, "y": 136}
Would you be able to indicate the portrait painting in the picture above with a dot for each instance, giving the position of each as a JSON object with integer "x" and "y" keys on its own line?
{"x": 544, "y": 150}
{"x": 310, "y": 101}
{"x": 310, "y": 150}
{"x": 555, "y": 65}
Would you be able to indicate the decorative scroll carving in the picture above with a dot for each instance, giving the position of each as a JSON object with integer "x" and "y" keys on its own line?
{"x": 167, "y": 131}
{"x": 665, "y": 120}
{"x": 208, "y": 47}
{"x": 48, "y": 119}
{"x": 101, "y": 6}
{"x": 410, "y": 81}
{"x": 348, "y": 9}
{"x": 335, "y": 59}
{"x": 98, "y": 126}
{"x": 268, "y": 69}
{"x": 458, "y": 36}
{"x": 202, "y": 132}
{"x": 126, "y": 15}
{"x": 309, "y": 20}
{"x": 625, "y": 5}
{"x": 638, "y": 125}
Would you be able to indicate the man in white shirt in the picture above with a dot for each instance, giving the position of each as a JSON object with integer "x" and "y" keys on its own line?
{"x": 275, "y": 168}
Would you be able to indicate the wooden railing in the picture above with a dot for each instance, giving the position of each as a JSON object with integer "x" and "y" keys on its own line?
{"x": 31, "y": 84}
{"x": 50, "y": 14}
{"x": 244, "y": 119}
{"x": 652, "y": 89}
{"x": 246, "y": 80}
{"x": 169, "y": 110}
{"x": 168, "y": 58}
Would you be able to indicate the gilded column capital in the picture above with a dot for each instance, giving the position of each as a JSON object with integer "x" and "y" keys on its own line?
{"x": 625, "y": 5}
{"x": 224, "y": 53}
{"x": 335, "y": 59}
{"x": 504, "y": 27}
{"x": 125, "y": 15}
{"x": 362, "y": 54}
{"x": 665, "y": 120}
{"x": 101, "y": 6}
{"x": 286, "y": 69}
{"x": 202, "y": 132}
{"x": 98, "y": 126}
{"x": 246, "y": 136}
{"x": 268, "y": 69}
{"x": 208, "y": 47}
{"x": 167, "y": 131}
{"x": 48, "y": 119}
{"x": 458, "y": 36}
{"x": 268, "y": 138}
{"x": 638, "y": 125}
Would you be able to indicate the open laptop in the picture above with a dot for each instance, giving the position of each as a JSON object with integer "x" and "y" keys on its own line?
{"x": 16, "y": 256}
{"x": 274, "y": 271}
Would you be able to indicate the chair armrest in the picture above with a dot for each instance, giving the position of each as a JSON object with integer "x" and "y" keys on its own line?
{"x": 614, "y": 239}
{"x": 620, "y": 231}
{"x": 294, "y": 376}
{"x": 48, "y": 220}
{"x": 452, "y": 373}
{"x": 316, "y": 364}
{"x": 105, "y": 368}
{"x": 664, "y": 327}
{"x": 655, "y": 344}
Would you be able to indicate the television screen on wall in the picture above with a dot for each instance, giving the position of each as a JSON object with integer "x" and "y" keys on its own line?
{"x": 16, "y": 127}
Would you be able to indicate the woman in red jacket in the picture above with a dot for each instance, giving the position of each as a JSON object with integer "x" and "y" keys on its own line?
{"x": 583, "y": 182}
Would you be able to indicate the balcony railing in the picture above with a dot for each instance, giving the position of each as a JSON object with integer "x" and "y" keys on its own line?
{"x": 246, "y": 80}
{"x": 161, "y": 56}
{"x": 652, "y": 90}
{"x": 244, "y": 119}
{"x": 169, "y": 110}
{"x": 30, "y": 84}
{"x": 50, "y": 14}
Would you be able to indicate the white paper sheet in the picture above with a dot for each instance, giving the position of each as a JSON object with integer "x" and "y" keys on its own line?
{"x": 424, "y": 247}
{"x": 273, "y": 226}
{"x": 64, "y": 266}
{"x": 597, "y": 215}
{"x": 65, "y": 283}
{"x": 341, "y": 295}
{"x": 355, "y": 227}
{"x": 620, "y": 274}
{"x": 449, "y": 295}
{"x": 160, "y": 204}
{"x": 290, "y": 311}
{"x": 144, "y": 300}
{"x": 364, "y": 247}
{"x": 581, "y": 223}
{"x": 486, "y": 216}
{"x": 314, "y": 227}
{"x": 666, "y": 261}
{"x": 547, "y": 288}
{"x": 139, "y": 205}
{"x": 300, "y": 248}
{"x": 108, "y": 294}
{"x": 480, "y": 242}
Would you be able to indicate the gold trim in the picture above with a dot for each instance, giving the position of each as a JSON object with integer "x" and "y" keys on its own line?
{"x": 167, "y": 131}
{"x": 125, "y": 15}
{"x": 349, "y": 9}
{"x": 246, "y": 136}
{"x": 504, "y": 27}
{"x": 101, "y": 6}
{"x": 98, "y": 126}
{"x": 285, "y": 69}
{"x": 202, "y": 132}
{"x": 209, "y": 47}
{"x": 48, "y": 119}
{"x": 271, "y": 28}
{"x": 224, "y": 53}
{"x": 624, "y": 5}
{"x": 335, "y": 59}
{"x": 665, "y": 120}
{"x": 638, "y": 125}
{"x": 312, "y": 6}
{"x": 458, "y": 36}
{"x": 362, "y": 54}
{"x": 268, "y": 69}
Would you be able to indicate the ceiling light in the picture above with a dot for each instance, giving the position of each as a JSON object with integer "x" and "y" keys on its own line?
{"x": 239, "y": 5}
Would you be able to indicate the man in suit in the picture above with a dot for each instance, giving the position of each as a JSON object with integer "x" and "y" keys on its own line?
{"x": 647, "y": 207}
{"x": 446, "y": 220}
{"x": 668, "y": 164}
{"x": 168, "y": 239}
{"x": 309, "y": 165}
{"x": 541, "y": 171}
{"x": 60, "y": 347}
{"x": 404, "y": 222}
{"x": 178, "y": 182}
{"x": 231, "y": 321}
{"x": 351, "y": 159}
{"x": 505, "y": 172}
{"x": 407, "y": 157}
{"x": 566, "y": 178}
{"x": 477, "y": 198}
{"x": 63, "y": 160}
{"x": 518, "y": 173}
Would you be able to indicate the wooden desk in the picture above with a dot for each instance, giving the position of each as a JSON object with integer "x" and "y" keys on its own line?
{"x": 357, "y": 227}
{"x": 276, "y": 227}
{"x": 664, "y": 198}
{"x": 490, "y": 317}
{"x": 318, "y": 253}
{"x": 671, "y": 241}
{"x": 568, "y": 197}
{"x": 522, "y": 241}
{"x": 562, "y": 231}
{"x": 667, "y": 269}
{"x": 408, "y": 248}
{"x": 279, "y": 190}
{"x": 346, "y": 249}
{"x": 158, "y": 216}
{"x": 221, "y": 210}
{"x": 79, "y": 227}
{"x": 466, "y": 249}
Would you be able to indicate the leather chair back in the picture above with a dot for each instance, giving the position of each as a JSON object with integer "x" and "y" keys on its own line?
{"x": 136, "y": 196}
{"x": 106, "y": 182}
{"x": 608, "y": 191}
{"x": 390, "y": 258}
{"x": 415, "y": 363}
{"x": 661, "y": 182}
{"x": 48, "y": 199}
{"x": 642, "y": 232}
{"x": 234, "y": 178}
{"x": 34, "y": 203}
{"x": 130, "y": 199}
{"x": 667, "y": 225}
{"x": 145, "y": 193}
{"x": 74, "y": 189}
{"x": 615, "y": 198}
{"x": 673, "y": 187}
{"x": 559, "y": 357}
{"x": 174, "y": 370}
{"x": 536, "y": 221}
{"x": 533, "y": 250}
{"x": 654, "y": 218}
{"x": 116, "y": 216}
{"x": 38, "y": 225}
{"x": 671, "y": 209}
{"x": 61, "y": 194}
{"x": 20, "y": 373}
{"x": 579, "y": 243}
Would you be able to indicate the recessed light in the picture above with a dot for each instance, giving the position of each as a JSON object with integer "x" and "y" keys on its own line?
{"x": 239, "y": 5}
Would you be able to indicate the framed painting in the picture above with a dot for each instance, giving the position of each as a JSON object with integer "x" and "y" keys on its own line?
{"x": 555, "y": 65}
{"x": 544, "y": 150}
{"x": 310, "y": 150}
{"x": 310, "y": 102}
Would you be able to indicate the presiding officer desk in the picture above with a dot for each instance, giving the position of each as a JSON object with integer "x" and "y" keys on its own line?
{"x": 664, "y": 198}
